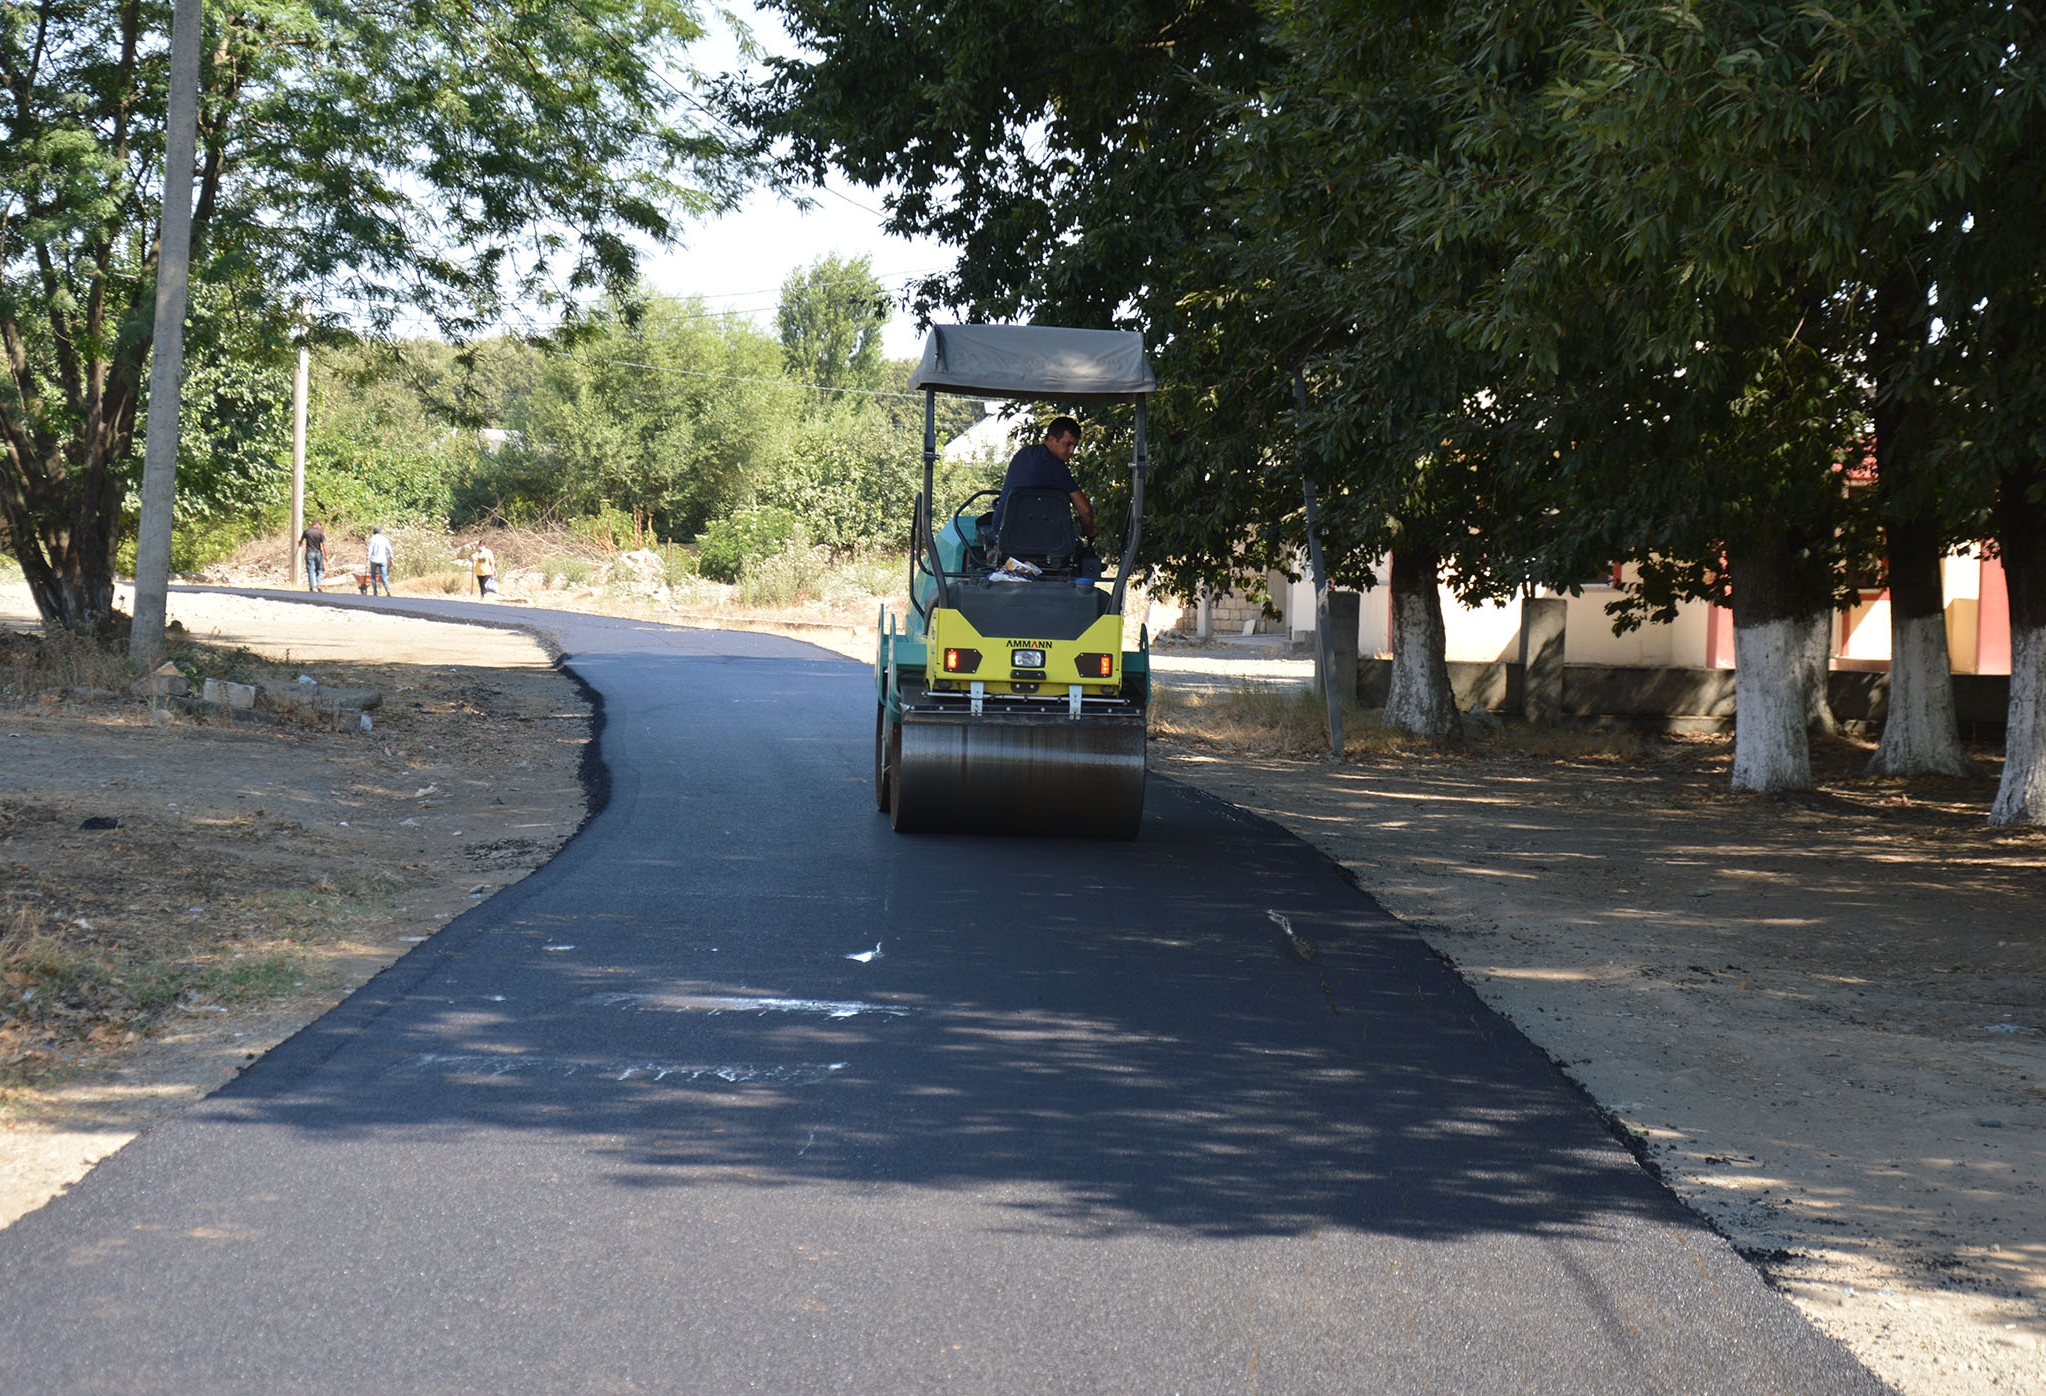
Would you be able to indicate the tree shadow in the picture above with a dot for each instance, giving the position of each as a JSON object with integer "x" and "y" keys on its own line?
{"x": 1090, "y": 1037}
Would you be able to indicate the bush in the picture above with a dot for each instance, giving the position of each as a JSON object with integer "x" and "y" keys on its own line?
{"x": 796, "y": 573}
{"x": 679, "y": 565}
{"x": 419, "y": 551}
{"x": 574, "y": 571}
{"x": 870, "y": 574}
{"x": 727, "y": 546}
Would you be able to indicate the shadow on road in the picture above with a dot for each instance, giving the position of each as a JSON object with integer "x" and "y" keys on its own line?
{"x": 1098, "y": 1036}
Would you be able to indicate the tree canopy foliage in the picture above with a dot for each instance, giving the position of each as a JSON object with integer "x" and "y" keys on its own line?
{"x": 354, "y": 162}
{"x": 1565, "y": 284}
{"x": 830, "y": 321}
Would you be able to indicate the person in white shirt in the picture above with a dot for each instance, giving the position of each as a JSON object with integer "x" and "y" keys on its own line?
{"x": 380, "y": 554}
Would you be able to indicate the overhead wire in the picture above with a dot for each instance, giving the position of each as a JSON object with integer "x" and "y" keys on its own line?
{"x": 728, "y": 377}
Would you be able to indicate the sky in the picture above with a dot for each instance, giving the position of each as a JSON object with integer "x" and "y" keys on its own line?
{"x": 738, "y": 262}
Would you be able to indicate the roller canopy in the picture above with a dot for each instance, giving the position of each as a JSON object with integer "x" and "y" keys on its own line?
{"x": 1035, "y": 361}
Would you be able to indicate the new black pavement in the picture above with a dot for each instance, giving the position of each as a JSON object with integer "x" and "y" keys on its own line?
{"x": 640, "y": 1124}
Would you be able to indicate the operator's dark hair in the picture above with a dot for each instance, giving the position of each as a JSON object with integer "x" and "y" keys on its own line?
{"x": 1061, "y": 426}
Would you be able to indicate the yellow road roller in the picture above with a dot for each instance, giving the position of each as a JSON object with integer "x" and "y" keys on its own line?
{"x": 1005, "y": 701}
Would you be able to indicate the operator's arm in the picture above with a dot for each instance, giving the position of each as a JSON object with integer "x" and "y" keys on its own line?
{"x": 1085, "y": 509}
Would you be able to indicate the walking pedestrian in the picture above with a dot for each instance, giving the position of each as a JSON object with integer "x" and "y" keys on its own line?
{"x": 314, "y": 541}
{"x": 380, "y": 554}
{"x": 484, "y": 562}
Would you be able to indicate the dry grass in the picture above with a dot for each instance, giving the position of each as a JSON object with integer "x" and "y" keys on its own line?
{"x": 71, "y": 987}
{"x": 37, "y": 663}
{"x": 1267, "y": 721}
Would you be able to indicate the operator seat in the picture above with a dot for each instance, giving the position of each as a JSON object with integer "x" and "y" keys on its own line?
{"x": 1037, "y": 526}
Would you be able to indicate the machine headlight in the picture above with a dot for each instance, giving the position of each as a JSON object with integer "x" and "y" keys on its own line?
{"x": 1027, "y": 659}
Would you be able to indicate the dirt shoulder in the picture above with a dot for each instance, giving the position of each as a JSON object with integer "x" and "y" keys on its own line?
{"x": 240, "y": 877}
{"x": 1818, "y": 1019}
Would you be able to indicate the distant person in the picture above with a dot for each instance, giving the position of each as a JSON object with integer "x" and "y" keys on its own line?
{"x": 314, "y": 541}
{"x": 1046, "y": 466}
{"x": 484, "y": 563}
{"x": 380, "y": 554}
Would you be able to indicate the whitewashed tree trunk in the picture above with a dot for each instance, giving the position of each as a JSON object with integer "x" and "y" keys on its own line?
{"x": 2021, "y": 798}
{"x": 1921, "y": 735}
{"x": 1817, "y": 657}
{"x": 1770, "y": 748}
{"x": 2021, "y": 530}
{"x": 1421, "y": 700}
{"x": 1772, "y": 633}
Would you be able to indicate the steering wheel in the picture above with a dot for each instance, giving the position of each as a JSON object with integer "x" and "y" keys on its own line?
{"x": 961, "y": 511}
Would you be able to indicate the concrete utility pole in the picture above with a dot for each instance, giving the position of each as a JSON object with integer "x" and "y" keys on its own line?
{"x": 167, "y": 365}
{"x": 298, "y": 396}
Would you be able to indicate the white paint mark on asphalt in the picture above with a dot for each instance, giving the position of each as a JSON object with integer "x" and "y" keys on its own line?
{"x": 867, "y": 957}
{"x": 557, "y": 948}
{"x": 733, "y": 1073}
{"x": 740, "y": 1003}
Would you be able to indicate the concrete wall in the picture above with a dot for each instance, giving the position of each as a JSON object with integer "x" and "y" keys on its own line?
{"x": 1977, "y": 616}
{"x": 1685, "y": 699}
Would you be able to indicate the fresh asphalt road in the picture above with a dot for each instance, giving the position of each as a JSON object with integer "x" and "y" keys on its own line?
{"x": 641, "y": 1123}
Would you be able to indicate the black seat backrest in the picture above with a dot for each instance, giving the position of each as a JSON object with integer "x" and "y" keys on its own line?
{"x": 1037, "y": 525}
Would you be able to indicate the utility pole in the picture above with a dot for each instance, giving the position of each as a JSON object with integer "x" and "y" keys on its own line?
{"x": 298, "y": 396}
{"x": 167, "y": 363}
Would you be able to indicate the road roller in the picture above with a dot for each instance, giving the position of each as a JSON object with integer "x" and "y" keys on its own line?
{"x": 1005, "y": 701}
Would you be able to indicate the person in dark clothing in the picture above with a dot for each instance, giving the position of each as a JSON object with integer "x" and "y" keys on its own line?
{"x": 1045, "y": 467}
{"x": 314, "y": 540}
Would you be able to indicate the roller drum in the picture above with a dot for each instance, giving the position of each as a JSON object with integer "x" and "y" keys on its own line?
{"x": 1017, "y": 773}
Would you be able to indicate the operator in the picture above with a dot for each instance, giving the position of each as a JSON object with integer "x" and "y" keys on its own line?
{"x": 1045, "y": 466}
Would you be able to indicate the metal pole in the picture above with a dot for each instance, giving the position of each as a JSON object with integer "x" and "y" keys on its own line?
{"x": 1324, "y": 642}
{"x": 298, "y": 396}
{"x": 1139, "y": 467}
{"x": 167, "y": 364}
{"x": 926, "y": 523}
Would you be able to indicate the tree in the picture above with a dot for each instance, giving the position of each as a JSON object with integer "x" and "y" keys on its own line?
{"x": 1992, "y": 364}
{"x": 661, "y": 409}
{"x": 830, "y": 322}
{"x": 1840, "y": 158}
{"x": 450, "y": 160}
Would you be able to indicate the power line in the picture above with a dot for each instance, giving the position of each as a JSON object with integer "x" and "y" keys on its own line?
{"x": 888, "y": 280}
{"x": 730, "y": 378}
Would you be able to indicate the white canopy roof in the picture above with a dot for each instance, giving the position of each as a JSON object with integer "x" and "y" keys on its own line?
{"x": 1034, "y": 361}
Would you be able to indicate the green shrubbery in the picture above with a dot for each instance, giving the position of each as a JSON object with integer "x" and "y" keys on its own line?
{"x": 729, "y": 545}
{"x": 796, "y": 572}
{"x": 662, "y": 421}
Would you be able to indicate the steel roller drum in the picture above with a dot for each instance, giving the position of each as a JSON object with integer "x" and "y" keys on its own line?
{"x": 1019, "y": 773}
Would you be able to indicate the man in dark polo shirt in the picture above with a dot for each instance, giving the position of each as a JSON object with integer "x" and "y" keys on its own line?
{"x": 1045, "y": 467}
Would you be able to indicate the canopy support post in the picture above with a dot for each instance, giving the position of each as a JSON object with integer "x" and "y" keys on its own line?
{"x": 1140, "y": 465}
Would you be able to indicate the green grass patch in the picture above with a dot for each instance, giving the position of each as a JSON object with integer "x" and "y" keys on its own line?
{"x": 60, "y": 996}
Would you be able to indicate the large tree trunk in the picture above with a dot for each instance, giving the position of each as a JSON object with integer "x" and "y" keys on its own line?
{"x": 1921, "y": 736}
{"x": 62, "y": 482}
{"x": 1420, "y": 700}
{"x": 2021, "y": 524}
{"x": 1770, "y": 644}
{"x": 1815, "y": 656}
{"x": 68, "y": 560}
